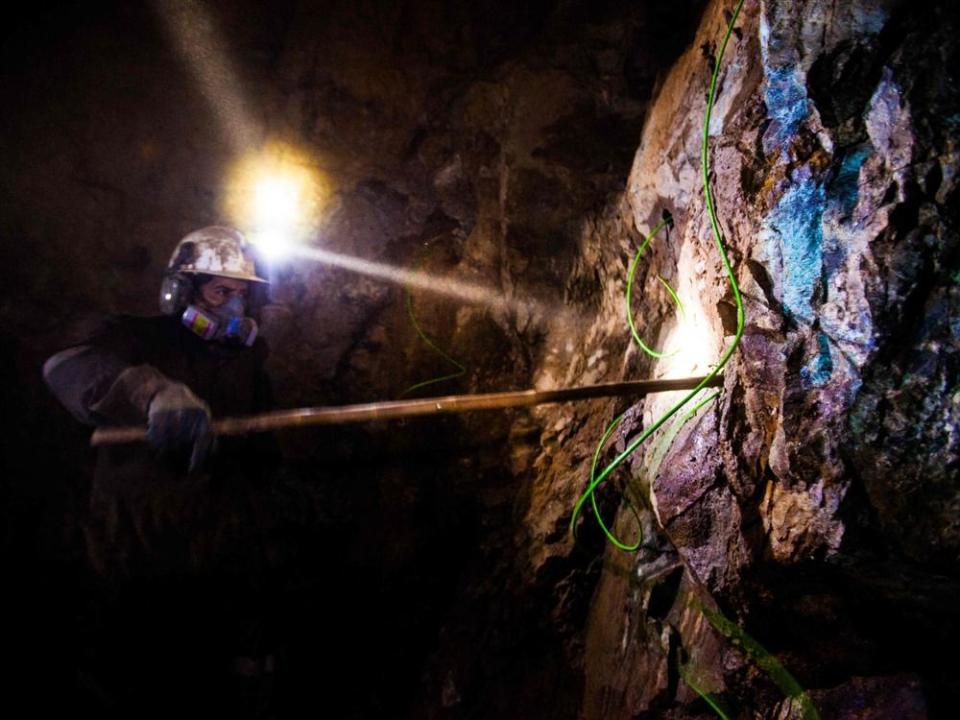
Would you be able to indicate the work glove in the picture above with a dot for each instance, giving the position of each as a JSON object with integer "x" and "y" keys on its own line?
{"x": 178, "y": 427}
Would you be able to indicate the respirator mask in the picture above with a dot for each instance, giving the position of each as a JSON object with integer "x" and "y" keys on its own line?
{"x": 226, "y": 324}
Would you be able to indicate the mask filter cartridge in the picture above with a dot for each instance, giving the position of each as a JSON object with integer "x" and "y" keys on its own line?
{"x": 227, "y": 324}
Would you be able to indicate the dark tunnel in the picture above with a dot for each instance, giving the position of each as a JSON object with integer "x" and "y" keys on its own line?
{"x": 442, "y": 199}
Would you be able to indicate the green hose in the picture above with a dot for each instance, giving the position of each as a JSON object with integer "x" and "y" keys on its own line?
{"x": 425, "y": 339}
{"x": 763, "y": 659}
{"x": 766, "y": 661}
{"x": 596, "y": 480}
{"x": 628, "y": 297}
{"x": 628, "y": 294}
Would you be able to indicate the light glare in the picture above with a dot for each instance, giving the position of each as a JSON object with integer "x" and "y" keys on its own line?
{"x": 276, "y": 203}
{"x": 276, "y": 197}
{"x": 274, "y": 244}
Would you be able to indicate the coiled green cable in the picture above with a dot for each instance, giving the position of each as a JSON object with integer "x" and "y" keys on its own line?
{"x": 628, "y": 297}
{"x": 593, "y": 497}
{"x": 595, "y": 481}
{"x": 461, "y": 369}
{"x": 628, "y": 304}
{"x": 628, "y": 294}
{"x": 766, "y": 661}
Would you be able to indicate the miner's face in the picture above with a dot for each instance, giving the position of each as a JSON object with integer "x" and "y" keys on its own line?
{"x": 220, "y": 290}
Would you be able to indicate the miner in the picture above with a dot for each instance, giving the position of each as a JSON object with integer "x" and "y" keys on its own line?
{"x": 178, "y": 527}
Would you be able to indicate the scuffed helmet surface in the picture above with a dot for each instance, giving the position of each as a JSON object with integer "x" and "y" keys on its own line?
{"x": 215, "y": 250}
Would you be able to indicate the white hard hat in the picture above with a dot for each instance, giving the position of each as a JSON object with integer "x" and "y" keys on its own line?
{"x": 215, "y": 250}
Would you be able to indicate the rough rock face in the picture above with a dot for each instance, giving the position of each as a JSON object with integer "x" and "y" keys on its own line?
{"x": 828, "y": 467}
{"x": 529, "y": 149}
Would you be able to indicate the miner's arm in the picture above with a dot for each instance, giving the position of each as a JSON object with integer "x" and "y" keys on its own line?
{"x": 104, "y": 382}
{"x": 99, "y": 386}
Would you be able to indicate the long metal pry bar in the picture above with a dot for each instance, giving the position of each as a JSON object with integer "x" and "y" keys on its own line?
{"x": 395, "y": 409}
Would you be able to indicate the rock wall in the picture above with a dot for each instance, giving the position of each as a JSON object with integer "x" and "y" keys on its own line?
{"x": 529, "y": 149}
{"x": 813, "y": 501}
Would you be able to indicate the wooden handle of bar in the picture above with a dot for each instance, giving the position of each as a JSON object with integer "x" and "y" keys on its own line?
{"x": 395, "y": 409}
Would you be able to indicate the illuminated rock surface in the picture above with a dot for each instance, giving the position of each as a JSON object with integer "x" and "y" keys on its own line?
{"x": 529, "y": 149}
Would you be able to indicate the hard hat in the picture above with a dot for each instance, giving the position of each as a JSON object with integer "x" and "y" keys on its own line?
{"x": 215, "y": 250}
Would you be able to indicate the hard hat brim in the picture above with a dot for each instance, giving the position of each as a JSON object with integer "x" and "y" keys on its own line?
{"x": 225, "y": 274}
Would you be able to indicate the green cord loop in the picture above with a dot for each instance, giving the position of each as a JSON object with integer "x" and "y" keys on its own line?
{"x": 628, "y": 294}
{"x": 461, "y": 369}
{"x": 596, "y": 480}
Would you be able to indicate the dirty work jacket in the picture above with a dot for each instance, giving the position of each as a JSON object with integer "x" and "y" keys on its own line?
{"x": 150, "y": 518}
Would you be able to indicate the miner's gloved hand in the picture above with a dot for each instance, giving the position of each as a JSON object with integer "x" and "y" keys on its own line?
{"x": 178, "y": 426}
